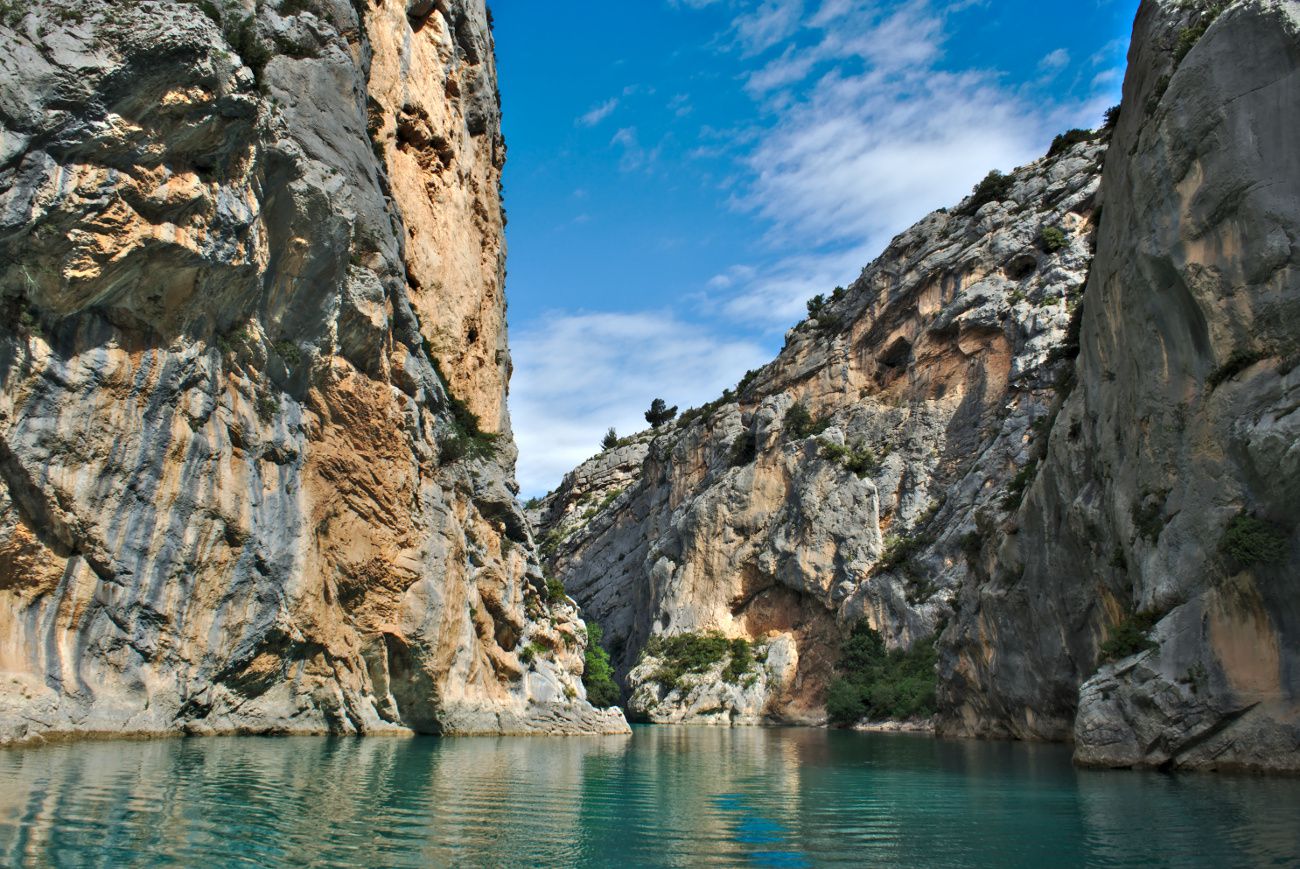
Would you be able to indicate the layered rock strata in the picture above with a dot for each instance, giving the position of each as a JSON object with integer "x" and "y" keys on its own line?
{"x": 255, "y": 458}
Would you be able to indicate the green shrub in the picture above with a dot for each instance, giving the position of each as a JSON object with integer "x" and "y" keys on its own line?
{"x": 742, "y": 659}
{"x": 268, "y": 406}
{"x": 467, "y": 439}
{"x": 799, "y": 423}
{"x": 12, "y": 12}
{"x": 289, "y": 352}
{"x": 815, "y": 306}
{"x": 743, "y": 450}
{"x": 859, "y": 458}
{"x": 1051, "y": 238}
{"x": 660, "y": 413}
{"x": 1111, "y": 118}
{"x": 1236, "y": 363}
{"x": 683, "y": 654}
{"x": 1249, "y": 541}
{"x": 704, "y": 411}
{"x": 555, "y": 592}
{"x": 532, "y": 503}
{"x": 1019, "y": 484}
{"x": 29, "y": 322}
{"x": 1189, "y": 36}
{"x": 1067, "y": 140}
{"x": 1148, "y": 516}
{"x": 995, "y": 187}
{"x": 874, "y": 683}
{"x": 746, "y": 382}
{"x": 972, "y": 544}
{"x": 900, "y": 551}
{"x": 597, "y": 673}
{"x": 532, "y": 652}
{"x": 243, "y": 38}
{"x": 1129, "y": 636}
{"x": 610, "y": 440}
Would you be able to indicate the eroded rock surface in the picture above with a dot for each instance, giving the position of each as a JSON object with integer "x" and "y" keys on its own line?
{"x": 927, "y": 378}
{"x": 1182, "y": 436}
{"x": 255, "y": 459}
{"x": 1106, "y": 544}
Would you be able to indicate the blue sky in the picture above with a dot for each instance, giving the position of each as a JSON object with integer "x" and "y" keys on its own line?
{"x": 683, "y": 174}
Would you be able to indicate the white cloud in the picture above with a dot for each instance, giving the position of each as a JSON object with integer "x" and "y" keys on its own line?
{"x": 769, "y": 24}
{"x": 883, "y": 134}
{"x": 1056, "y": 60}
{"x": 598, "y": 113}
{"x": 634, "y": 155}
{"x": 578, "y": 374}
{"x": 777, "y": 296}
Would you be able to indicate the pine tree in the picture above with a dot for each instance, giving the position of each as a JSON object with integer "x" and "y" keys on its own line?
{"x": 659, "y": 413}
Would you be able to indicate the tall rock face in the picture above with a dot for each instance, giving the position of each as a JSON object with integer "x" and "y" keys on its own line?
{"x": 1169, "y": 496}
{"x": 847, "y": 478}
{"x": 255, "y": 459}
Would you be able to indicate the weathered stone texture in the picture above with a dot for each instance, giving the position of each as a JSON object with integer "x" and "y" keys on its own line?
{"x": 235, "y": 246}
{"x": 1184, "y": 417}
{"x": 933, "y": 368}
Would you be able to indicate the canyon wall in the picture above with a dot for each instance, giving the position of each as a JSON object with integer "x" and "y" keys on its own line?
{"x": 924, "y": 383}
{"x": 256, "y": 469}
{"x": 1095, "y": 516}
{"x": 1170, "y": 491}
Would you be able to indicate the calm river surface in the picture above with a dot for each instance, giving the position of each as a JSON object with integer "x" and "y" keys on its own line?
{"x": 663, "y": 797}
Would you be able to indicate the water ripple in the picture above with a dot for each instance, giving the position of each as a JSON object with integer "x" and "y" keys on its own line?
{"x": 666, "y": 797}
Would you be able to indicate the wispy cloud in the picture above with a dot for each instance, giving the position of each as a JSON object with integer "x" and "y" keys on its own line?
{"x": 769, "y": 24}
{"x": 578, "y": 374}
{"x": 1056, "y": 60}
{"x": 866, "y": 129}
{"x": 598, "y": 113}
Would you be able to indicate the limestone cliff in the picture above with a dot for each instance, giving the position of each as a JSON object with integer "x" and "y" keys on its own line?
{"x": 1099, "y": 520}
{"x": 924, "y": 384}
{"x": 255, "y": 459}
{"x": 1161, "y": 529}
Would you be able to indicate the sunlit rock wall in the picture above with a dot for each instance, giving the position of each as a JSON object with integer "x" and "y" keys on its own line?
{"x": 932, "y": 374}
{"x": 251, "y": 274}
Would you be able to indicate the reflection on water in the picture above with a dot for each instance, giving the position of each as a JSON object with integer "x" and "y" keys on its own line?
{"x": 663, "y": 797}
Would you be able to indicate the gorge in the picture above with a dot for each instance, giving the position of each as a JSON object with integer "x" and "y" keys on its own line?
{"x": 1060, "y": 446}
{"x": 257, "y": 467}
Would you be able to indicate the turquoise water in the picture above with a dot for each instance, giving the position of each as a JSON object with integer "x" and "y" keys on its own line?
{"x": 663, "y": 797}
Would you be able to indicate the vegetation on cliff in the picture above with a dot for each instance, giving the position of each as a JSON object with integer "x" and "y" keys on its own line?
{"x": 875, "y": 683}
{"x": 598, "y": 674}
